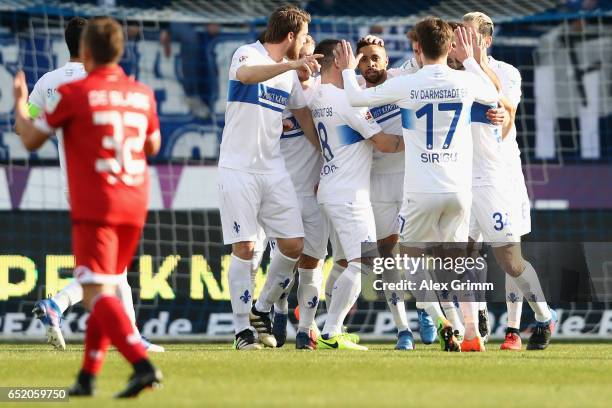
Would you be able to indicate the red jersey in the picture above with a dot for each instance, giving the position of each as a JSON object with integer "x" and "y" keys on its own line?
{"x": 106, "y": 119}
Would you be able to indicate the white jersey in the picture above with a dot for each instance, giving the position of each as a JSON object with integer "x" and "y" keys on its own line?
{"x": 44, "y": 88}
{"x": 343, "y": 132}
{"x": 510, "y": 79}
{"x": 388, "y": 117}
{"x": 253, "y": 117}
{"x": 390, "y": 121}
{"x": 302, "y": 160}
{"x": 489, "y": 167}
{"x": 435, "y": 105}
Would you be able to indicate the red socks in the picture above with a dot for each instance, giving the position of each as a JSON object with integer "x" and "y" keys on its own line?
{"x": 96, "y": 344}
{"x": 109, "y": 323}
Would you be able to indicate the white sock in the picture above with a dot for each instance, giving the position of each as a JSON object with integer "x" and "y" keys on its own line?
{"x": 423, "y": 297}
{"x": 309, "y": 289}
{"x": 453, "y": 317}
{"x": 241, "y": 292}
{"x": 334, "y": 274}
{"x": 514, "y": 303}
{"x": 69, "y": 296}
{"x": 255, "y": 263}
{"x": 124, "y": 292}
{"x": 480, "y": 275}
{"x": 345, "y": 293}
{"x": 434, "y": 311}
{"x": 278, "y": 279}
{"x": 395, "y": 299}
{"x": 469, "y": 310}
{"x": 529, "y": 284}
{"x": 282, "y": 304}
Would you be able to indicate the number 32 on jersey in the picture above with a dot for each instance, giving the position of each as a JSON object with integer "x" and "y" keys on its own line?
{"x": 123, "y": 165}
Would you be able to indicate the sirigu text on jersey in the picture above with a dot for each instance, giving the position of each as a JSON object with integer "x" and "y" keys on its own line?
{"x": 445, "y": 157}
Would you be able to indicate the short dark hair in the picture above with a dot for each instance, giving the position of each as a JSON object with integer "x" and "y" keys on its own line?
{"x": 434, "y": 36}
{"x": 104, "y": 38}
{"x": 72, "y": 34}
{"x": 285, "y": 20}
{"x": 454, "y": 25}
{"x": 363, "y": 43}
{"x": 326, "y": 48}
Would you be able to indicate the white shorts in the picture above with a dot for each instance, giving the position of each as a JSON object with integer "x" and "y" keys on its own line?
{"x": 386, "y": 192}
{"x": 435, "y": 217}
{"x": 354, "y": 224}
{"x": 248, "y": 200}
{"x": 316, "y": 228}
{"x": 521, "y": 204}
{"x": 337, "y": 252}
{"x": 261, "y": 241}
{"x": 492, "y": 216}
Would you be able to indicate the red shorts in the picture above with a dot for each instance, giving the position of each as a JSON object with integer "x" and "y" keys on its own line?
{"x": 103, "y": 252}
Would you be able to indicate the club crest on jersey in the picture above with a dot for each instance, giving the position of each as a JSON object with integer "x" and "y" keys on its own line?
{"x": 52, "y": 101}
{"x": 243, "y": 58}
{"x": 368, "y": 116}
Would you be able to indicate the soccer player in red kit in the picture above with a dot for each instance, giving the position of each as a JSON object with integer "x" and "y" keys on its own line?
{"x": 109, "y": 123}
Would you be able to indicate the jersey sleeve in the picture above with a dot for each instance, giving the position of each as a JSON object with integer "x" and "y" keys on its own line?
{"x": 296, "y": 99}
{"x": 511, "y": 85}
{"x": 58, "y": 110}
{"x": 242, "y": 57}
{"x": 483, "y": 88}
{"x": 387, "y": 92}
{"x": 36, "y": 101}
{"x": 361, "y": 120}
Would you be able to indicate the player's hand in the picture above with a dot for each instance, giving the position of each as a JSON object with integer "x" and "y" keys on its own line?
{"x": 20, "y": 88}
{"x": 287, "y": 125}
{"x": 374, "y": 40}
{"x": 344, "y": 56}
{"x": 496, "y": 115}
{"x": 478, "y": 44}
{"x": 464, "y": 48}
{"x": 308, "y": 64}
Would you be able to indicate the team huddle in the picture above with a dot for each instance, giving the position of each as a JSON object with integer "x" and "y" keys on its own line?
{"x": 311, "y": 153}
{"x": 424, "y": 155}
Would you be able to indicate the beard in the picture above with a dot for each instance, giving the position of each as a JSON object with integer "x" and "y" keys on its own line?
{"x": 374, "y": 77}
{"x": 293, "y": 53}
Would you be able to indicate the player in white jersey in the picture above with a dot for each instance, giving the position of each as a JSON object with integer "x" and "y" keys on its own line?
{"x": 387, "y": 182}
{"x": 50, "y": 311}
{"x": 254, "y": 185}
{"x": 347, "y": 136}
{"x": 521, "y": 278}
{"x": 304, "y": 162}
{"x": 435, "y": 106}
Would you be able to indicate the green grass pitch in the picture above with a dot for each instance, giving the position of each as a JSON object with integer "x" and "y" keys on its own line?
{"x": 196, "y": 375}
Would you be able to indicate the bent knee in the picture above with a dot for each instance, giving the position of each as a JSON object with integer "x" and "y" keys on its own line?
{"x": 513, "y": 268}
{"x": 291, "y": 247}
{"x": 243, "y": 250}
